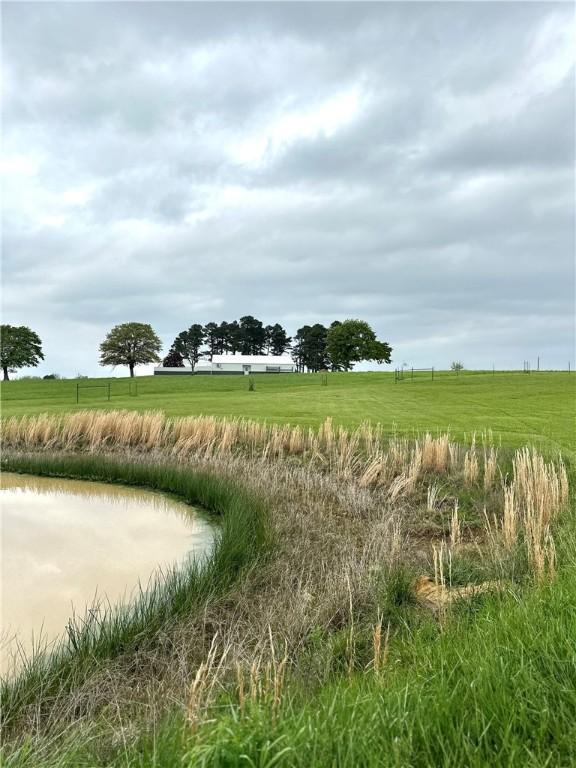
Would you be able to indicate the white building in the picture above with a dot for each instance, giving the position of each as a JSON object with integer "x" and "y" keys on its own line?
{"x": 235, "y": 365}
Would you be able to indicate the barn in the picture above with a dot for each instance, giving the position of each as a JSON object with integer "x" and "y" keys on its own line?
{"x": 234, "y": 365}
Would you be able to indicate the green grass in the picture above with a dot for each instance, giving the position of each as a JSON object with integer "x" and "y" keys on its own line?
{"x": 539, "y": 408}
{"x": 498, "y": 690}
{"x": 495, "y": 687}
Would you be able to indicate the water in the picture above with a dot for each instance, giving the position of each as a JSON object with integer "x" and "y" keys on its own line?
{"x": 67, "y": 543}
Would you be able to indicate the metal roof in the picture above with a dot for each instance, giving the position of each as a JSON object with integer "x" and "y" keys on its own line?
{"x": 254, "y": 359}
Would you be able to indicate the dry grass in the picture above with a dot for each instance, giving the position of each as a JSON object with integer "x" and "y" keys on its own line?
{"x": 471, "y": 466}
{"x": 365, "y": 454}
{"x": 343, "y": 505}
{"x": 490, "y": 466}
{"x": 536, "y": 495}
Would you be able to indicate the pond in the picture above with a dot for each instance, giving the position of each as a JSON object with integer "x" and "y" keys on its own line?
{"x": 69, "y": 544}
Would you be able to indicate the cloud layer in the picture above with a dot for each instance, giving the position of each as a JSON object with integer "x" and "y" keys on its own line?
{"x": 409, "y": 164}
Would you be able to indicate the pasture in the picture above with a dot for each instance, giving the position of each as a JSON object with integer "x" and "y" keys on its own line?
{"x": 306, "y": 641}
{"x": 539, "y": 408}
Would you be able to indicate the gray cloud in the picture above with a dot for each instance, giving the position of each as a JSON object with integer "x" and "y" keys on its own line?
{"x": 182, "y": 162}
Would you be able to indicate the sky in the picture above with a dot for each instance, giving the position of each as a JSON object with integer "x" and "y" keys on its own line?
{"x": 409, "y": 164}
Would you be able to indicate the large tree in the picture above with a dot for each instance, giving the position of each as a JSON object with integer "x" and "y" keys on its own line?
{"x": 188, "y": 344}
{"x": 233, "y": 337}
{"x": 221, "y": 338}
{"x": 130, "y": 344}
{"x": 211, "y": 338}
{"x": 309, "y": 349}
{"x": 352, "y": 341}
{"x": 253, "y": 336}
{"x": 277, "y": 340}
{"x": 20, "y": 347}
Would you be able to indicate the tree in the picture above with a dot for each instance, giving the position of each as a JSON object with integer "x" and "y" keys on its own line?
{"x": 173, "y": 359}
{"x": 211, "y": 338}
{"x": 309, "y": 350}
{"x": 352, "y": 341}
{"x": 253, "y": 336}
{"x": 221, "y": 338}
{"x": 233, "y": 337}
{"x": 188, "y": 344}
{"x": 130, "y": 344}
{"x": 457, "y": 366}
{"x": 277, "y": 340}
{"x": 20, "y": 347}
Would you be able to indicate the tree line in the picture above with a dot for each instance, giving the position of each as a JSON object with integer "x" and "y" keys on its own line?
{"x": 247, "y": 336}
{"x": 313, "y": 348}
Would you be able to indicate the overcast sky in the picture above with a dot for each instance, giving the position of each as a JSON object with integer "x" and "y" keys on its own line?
{"x": 408, "y": 164}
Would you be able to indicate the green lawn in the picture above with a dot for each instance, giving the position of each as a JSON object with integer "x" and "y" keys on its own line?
{"x": 539, "y": 408}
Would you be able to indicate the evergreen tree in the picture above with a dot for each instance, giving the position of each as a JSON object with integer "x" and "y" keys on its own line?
{"x": 277, "y": 340}
{"x": 234, "y": 337}
{"x": 211, "y": 339}
{"x": 221, "y": 342}
{"x": 309, "y": 350}
{"x": 253, "y": 336}
{"x": 173, "y": 359}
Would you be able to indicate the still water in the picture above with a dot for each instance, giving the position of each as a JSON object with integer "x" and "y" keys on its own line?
{"x": 67, "y": 544}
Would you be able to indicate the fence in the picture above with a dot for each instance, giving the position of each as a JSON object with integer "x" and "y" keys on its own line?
{"x": 131, "y": 392}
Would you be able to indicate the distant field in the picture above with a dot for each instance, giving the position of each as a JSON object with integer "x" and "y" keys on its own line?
{"x": 538, "y": 408}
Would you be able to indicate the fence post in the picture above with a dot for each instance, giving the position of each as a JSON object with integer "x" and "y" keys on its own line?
{"x": 108, "y": 391}
{"x": 77, "y": 393}
{"x": 432, "y": 373}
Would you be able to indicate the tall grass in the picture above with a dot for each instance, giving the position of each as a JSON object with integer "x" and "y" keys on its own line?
{"x": 342, "y": 450}
{"x": 243, "y": 539}
{"x": 367, "y": 454}
{"x": 354, "y": 518}
{"x": 533, "y": 499}
{"x": 492, "y": 687}
{"x": 497, "y": 691}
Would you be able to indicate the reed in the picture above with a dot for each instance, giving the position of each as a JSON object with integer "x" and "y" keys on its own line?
{"x": 364, "y": 453}
{"x": 455, "y": 528}
{"x": 471, "y": 467}
{"x": 432, "y": 497}
{"x": 490, "y": 467}
{"x": 510, "y": 518}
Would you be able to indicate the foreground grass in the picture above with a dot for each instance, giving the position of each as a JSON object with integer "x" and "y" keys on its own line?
{"x": 495, "y": 686}
{"x": 538, "y": 409}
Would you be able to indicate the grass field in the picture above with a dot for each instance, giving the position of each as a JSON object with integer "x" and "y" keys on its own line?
{"x": 319, "y": 653}
{"x": 539, "y": 408}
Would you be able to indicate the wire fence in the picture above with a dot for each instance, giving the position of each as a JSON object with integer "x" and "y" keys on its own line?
{"x": 79, "y": 391}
